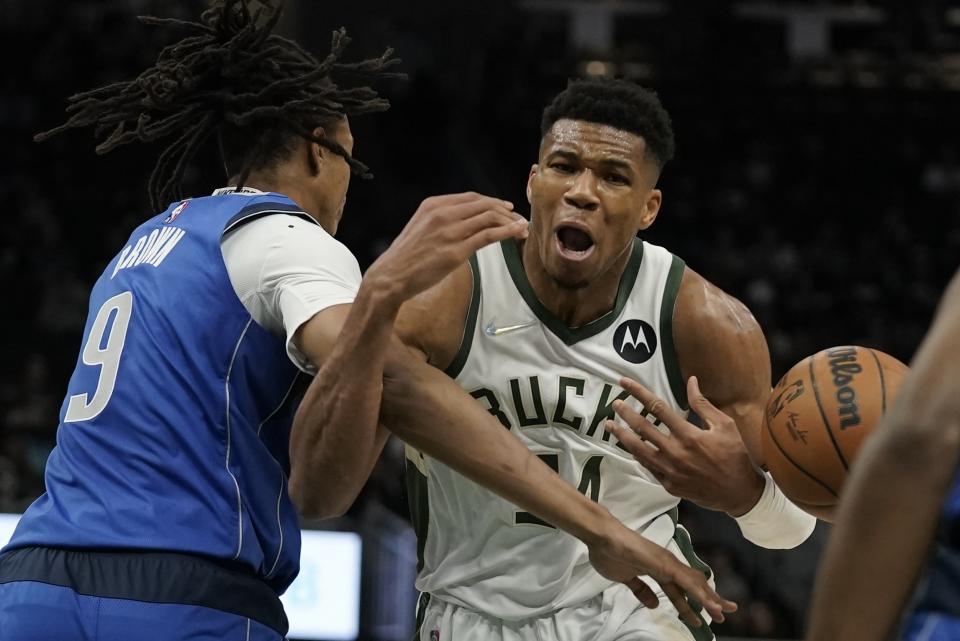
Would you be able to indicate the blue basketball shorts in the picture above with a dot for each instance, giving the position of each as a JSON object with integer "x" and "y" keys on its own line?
{"x": 50, "y": 594}
{"x": 31, "y": 611}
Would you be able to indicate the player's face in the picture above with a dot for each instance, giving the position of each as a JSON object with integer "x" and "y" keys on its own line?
{"x": 334, "y": 177}
{"x": 590, "y": 193}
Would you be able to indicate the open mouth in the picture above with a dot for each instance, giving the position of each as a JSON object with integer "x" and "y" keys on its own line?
{"x": 574, "y": 243}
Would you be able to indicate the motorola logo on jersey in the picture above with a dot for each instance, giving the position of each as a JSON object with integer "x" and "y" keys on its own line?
{"x": 635, "y": 341}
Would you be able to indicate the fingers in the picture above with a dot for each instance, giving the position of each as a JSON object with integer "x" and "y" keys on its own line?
{"x": 713, "y": 603}
{"x": 657, "y": 407}
{"x": 695, "y": 585}
{"x": 465, "y": 209}
{"x": 482, "y": 221}
{"x": 447, "y": 200}
{"x": 645, "y": 455}
{"x": 679, "y": 601}
{"x": 488, "y": 219}
{"x": 639, "y": 424}
{"x": 495, "y": 235}
{"x": 711, "y": 415}
{"x": 628, "y": 437}
{"x": 643, "y": 592}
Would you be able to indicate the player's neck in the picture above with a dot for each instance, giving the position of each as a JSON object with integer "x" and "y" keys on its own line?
{"x": 290, "y": 188}
{"x": 574, "y": 307}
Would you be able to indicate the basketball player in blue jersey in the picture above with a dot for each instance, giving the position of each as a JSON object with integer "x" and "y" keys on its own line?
{"x": 168, "y": 513}
{"x": 897, "y": 531}
{"x": 544, "y": 331}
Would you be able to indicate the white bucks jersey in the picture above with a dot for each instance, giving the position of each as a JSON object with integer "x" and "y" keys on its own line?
{"x": 553, "y": 387}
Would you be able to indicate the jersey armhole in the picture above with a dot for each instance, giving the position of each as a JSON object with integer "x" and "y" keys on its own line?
{"x": 469, "y": 327}
{"x": 670, "y": 361}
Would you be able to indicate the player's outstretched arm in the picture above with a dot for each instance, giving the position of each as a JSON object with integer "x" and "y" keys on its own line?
{"x": 335, "y": 438}
{"x": 891, "y": 503}
{"x": 724, "y": 358}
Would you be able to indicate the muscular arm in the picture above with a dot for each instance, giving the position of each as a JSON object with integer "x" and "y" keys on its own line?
{"x": 875, "y": 554}
{"x": 720, "y": 342}
{"x": 432, "y": 323}
{"x": 336, "y": 438}
{"x": 348, "y": 343}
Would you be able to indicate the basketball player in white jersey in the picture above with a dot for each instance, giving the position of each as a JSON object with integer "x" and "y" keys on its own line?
{"x": 541, "y": 331}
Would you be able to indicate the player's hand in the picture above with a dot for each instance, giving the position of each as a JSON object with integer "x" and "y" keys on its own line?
{"x": 443, "y": 233}
{"x": 624, "y": 555}
{"x": 708, "y": 466}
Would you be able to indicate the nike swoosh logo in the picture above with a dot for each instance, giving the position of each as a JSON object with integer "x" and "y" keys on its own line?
{"x": 492, "y": 330}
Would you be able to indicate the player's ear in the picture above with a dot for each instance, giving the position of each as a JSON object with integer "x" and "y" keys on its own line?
{"x": 651, "y": 208}
{"x": 316, "y": 153}
{"x": 534, "y": 168}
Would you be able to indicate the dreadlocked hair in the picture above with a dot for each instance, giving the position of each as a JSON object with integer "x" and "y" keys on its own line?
{"x": 229, "y": 77}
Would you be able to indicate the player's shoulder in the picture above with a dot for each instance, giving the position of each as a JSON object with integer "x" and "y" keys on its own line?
{"x": 287, "y": 228}
{"x": 285, "y": 243}
{"x": 702, "y": 304}
{"x": 719, "y": 340}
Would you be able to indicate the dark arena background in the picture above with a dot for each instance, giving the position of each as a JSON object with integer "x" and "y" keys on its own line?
{"x": 817, "y": 178}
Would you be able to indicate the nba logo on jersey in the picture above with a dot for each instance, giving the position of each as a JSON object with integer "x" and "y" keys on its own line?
{"x": 176, "y": 212}
{"x": 434, "y": 635}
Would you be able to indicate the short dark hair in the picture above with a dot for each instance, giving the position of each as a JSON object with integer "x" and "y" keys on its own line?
{"x": 231, "y": 78}
{"x": 618, "y": 103}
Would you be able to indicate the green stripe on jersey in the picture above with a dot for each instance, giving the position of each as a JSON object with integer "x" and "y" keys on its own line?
{"x": 422, "y": 604}
{"x": 571, "y": 335}
{"x": 419, "y": 504}
{"x": 670, "y": 361}
{"x": 682, "y": 538}
{"x": 470, "y": 326}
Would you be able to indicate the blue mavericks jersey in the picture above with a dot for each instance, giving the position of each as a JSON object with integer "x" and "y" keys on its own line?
{"x": 939, "y": 590}
{"x": 174, "y": 432}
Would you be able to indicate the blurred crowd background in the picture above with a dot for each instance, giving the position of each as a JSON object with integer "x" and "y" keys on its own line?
{"x": 817, "y": 178}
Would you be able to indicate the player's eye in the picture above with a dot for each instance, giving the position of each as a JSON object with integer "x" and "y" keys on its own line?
{"x": 562, "y": 167}
{"x": 618, "y": 179}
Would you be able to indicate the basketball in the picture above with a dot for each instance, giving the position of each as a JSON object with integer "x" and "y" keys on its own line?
{"x": 818, "y": 417}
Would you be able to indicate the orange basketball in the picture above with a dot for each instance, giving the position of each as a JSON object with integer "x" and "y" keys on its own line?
{"x": 818, "y": 417}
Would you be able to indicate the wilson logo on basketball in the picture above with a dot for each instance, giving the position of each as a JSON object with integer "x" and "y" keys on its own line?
{"x": 635, "y": 341}
{"x": 789, "y": 393}
{"x": 843, "y": 366}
